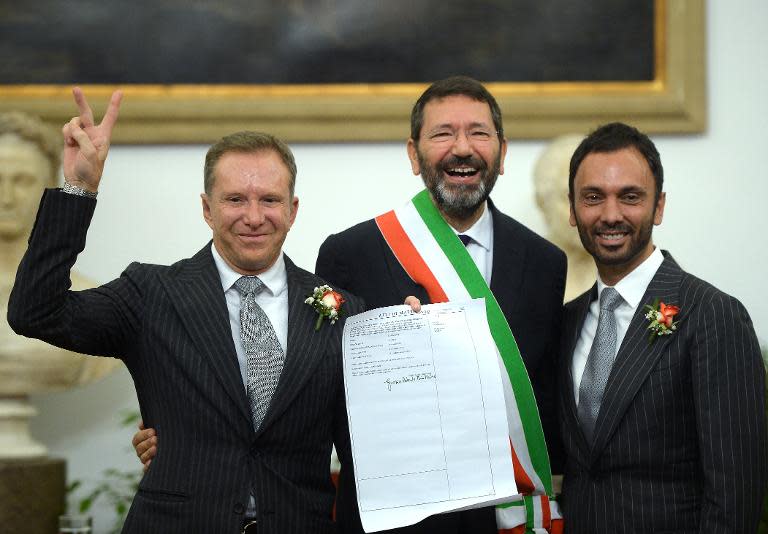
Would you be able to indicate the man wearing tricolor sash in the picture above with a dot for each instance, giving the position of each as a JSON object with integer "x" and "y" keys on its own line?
{"x": 451, "y": 243}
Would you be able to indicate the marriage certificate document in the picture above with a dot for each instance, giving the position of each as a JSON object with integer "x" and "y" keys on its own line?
{"x": 427, "y": 419}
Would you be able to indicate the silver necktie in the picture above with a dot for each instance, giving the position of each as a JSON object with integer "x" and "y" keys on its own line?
{"x": 599, "y": 362}
{"x": 263, "y": 353}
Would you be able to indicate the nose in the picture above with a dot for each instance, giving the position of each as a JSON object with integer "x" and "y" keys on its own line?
{"x": 611, "y": 212}
{"x": 254, "y": 214}
{"x": 461, "y": 145}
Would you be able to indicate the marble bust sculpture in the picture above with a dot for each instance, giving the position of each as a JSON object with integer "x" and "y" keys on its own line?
{"x": 29, "y": 162}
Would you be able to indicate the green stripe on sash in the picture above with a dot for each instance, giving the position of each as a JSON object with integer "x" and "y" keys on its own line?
{"x": 529, "y": 513}
{"x": 477, "y": 287}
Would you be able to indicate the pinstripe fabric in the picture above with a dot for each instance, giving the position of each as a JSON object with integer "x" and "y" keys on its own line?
{"x": 169, "y": 325}
{"x": 528, "y": 281}
{"x": 680, "y": 440}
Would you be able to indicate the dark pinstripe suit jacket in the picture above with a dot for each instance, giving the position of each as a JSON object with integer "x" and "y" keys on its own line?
{"x": 680, "y": 440}
{"x": 528, "y": 280}
{"x": 169, "y": 324}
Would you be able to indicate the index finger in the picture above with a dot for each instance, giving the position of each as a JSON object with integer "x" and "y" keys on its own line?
{"x": 113, "y": 110}
{"x": 86, "y": 115}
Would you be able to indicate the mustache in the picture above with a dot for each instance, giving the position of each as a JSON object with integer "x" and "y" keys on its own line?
{"x": 469, "y": 161}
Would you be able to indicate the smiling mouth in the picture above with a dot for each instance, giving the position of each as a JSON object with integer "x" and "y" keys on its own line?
{"x": 251, "y": 237}
{"x": 459, "y": 175}
{"x": 612, "y": 238}
{"x": 461, "y": 172}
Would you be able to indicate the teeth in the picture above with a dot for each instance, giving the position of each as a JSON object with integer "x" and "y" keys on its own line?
{"x": 612, "y": 236}
{"x": 463, "y": 170}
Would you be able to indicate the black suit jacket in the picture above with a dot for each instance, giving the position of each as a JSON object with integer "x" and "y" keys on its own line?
{"x": 528, "y": 281}
{"x": 170, "y": 326}
{"x": 680, "y": 442}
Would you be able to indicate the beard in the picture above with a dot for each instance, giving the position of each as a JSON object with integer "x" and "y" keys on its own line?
{"x": 459, "y": 200}
{"x": 640, "y": 237}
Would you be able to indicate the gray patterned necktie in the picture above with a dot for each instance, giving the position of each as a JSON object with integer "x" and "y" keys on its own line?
{"x": 599, "y": 362}
{"x": 263, "y": 353}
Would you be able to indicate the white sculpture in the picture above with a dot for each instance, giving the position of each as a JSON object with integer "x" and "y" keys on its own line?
{"x": 550, "y": 179}
{"x": 29, "y": 162}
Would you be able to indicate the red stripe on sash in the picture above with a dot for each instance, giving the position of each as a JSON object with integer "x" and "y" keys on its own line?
{"x": 524, "y": 483}
{"x": 546, "y": 514}
{"x": 409, "y": 257}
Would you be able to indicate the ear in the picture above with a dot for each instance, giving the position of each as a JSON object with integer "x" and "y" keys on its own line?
{"x": 413, "y": 155}
{"x": 659, "y": 213}
{"x": 294, "y": 210}
{"x": 207, "y": 210}
{"x": 572, "y": 216}
{"x": 502, "y": 154}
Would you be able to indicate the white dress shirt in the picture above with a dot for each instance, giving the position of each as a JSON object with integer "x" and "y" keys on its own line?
{"x": 273, "y": 299}
{"x": 631, "y": 288}
{"x": 481, "y": 246}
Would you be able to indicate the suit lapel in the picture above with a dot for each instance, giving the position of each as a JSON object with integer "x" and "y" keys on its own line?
{"x": 305, "y": 345}
{"x": 198, "y": 297}
{"x": 509, "y": 257}
{"x": 574, "y": 321}
{"x": 636, "y": 356}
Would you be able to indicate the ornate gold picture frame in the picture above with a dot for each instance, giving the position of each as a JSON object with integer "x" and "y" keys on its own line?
{"x": 673, "y": 102}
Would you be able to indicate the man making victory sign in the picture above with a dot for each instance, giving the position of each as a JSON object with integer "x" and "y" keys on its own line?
{"x": 221, "y": 346}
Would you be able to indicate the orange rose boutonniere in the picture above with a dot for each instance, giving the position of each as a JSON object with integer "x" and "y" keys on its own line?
{"x": 662, "y": 319}
{"x": 327, "y": 303}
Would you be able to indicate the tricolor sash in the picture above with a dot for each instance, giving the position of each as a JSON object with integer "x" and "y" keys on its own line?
{"x": 434, "y": 257}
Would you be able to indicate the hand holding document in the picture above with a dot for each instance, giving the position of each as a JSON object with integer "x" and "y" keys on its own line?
{"x": 426, "y": 413}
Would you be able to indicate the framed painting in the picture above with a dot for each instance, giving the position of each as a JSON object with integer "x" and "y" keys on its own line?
{"x": 343, "y": 70}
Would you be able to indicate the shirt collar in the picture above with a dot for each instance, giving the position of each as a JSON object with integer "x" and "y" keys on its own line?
{"x": 632, "y": 287}
{"x": 481, "y": 231}
{"x": 275, "y": 278}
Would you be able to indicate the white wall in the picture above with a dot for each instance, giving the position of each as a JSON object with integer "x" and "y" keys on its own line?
{"x": 715, "y": 219}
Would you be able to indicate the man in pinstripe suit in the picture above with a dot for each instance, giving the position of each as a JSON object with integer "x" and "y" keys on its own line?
{"x": 177, "y": 329}
{"x": 674, "y": 438}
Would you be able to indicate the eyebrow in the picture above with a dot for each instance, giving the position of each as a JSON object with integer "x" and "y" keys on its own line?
{"x": 623, "y": 190}
{"x": 449, "y": 125}
{"x": 632, "y": 189}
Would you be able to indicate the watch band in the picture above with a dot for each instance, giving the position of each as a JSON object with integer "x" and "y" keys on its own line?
{"x": 78, "y": 191}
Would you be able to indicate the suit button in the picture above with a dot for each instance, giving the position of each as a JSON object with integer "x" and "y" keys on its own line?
{"x": 239, "y": 508}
